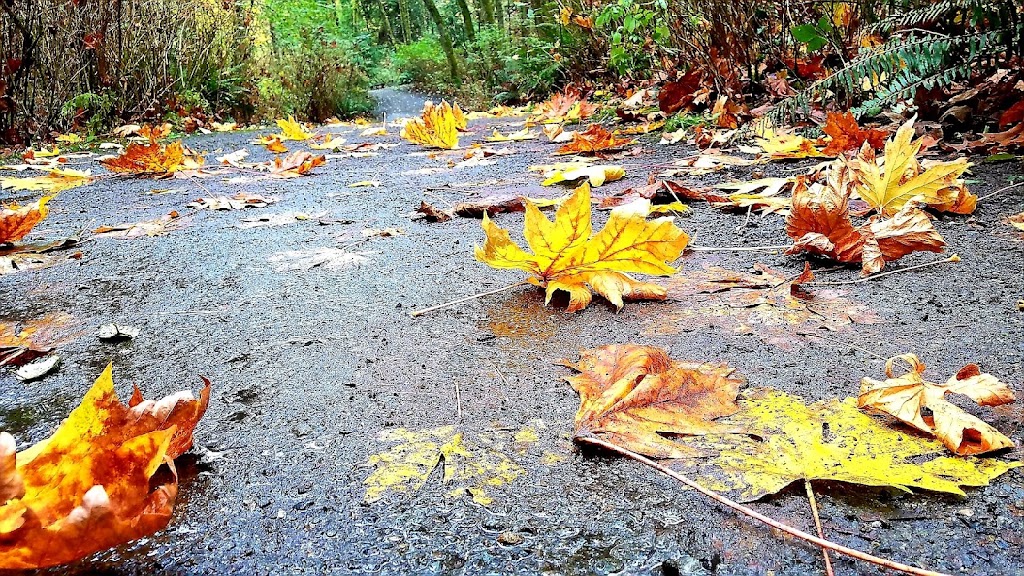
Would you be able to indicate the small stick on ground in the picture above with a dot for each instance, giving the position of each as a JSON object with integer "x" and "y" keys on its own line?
{"x": 737, "y": 248}
{"x": 458, "y": 401}
{"x": 466, "y": 299}
{"x": 1001, "y": 190}
{"x": 953, "y": 258}
{"x": 757, "y": 515}
{"x": 817, "y": 525}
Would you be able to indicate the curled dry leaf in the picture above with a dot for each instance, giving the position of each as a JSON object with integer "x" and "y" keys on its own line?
{"x": 17, "y": 221}
{"x": 701, "y": 164}
{"x": 913, "y": 400}
{"x": 36, "y": 255}
{"x": 819, "y": 223}
{"x": 237, "y": 202}
{"x": 768, "y": 304}
{"x": 432, "y": 214}
{"x": 297, "y": 164}
{"x": 847, "y": 136}
{"x": 469, "y": 463}
{"x": 635, "y": 396}
{"x": 88, "y": 486}
{"x": 563, "y": 107}
{"x": 153, "y": 159}
{"x": 567, "y": 257}
{"x": 333, "y": 142}
{"x": 901, "y": 179}
{"x": 659, "y": 192}
{"x": 524, "y": 134}
{"x": 156, "y": 227}
{"x": 594, "y": 139}
{"x": 56, "y": 180}
{"x": 437, "y": 126}
{"x": 790, "y": 441}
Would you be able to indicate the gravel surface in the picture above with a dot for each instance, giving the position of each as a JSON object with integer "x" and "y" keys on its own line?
{"x": 309, "y": 367}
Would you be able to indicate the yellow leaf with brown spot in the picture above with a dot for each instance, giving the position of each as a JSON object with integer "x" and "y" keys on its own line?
{"x": 901, "y": 179}
{"x": 594, "y": 139}
{"x": 923, "y": 405}
{"x": 87, "y": 487}
{"x": 17, "y": 221}
{"x": 568, "y": 257}
{"x": 56, "y": 180}
{"x": 780, "y": 146}
{"x": 437, "y": 126}
{"x": 632, "y": 396}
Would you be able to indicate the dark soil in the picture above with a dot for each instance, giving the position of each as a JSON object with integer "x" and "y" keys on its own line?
{"x": 309, "y": 366}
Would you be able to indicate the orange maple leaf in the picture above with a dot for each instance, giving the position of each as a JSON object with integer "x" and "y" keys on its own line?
{"x": 594, "y": 139}
{"x": 631, "y": 395}
{"x": 87, "y": 487}
{"x": 153, "y": 158}
{"x": 848, "y": 136}
{"x": 298, "y": 163}
{"x": 17, "y": 221}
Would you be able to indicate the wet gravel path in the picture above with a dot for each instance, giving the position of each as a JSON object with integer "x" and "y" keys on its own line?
{"x": 310, "y": 366}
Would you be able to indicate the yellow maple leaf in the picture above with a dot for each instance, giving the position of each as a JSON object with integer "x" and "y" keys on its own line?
{"x": 566, "y": 256}
{"x": 570, "y": 172}
{"x": 17, "y": 221}
{"x": 901, "y": 178}
{"x": 781, "y": 146}
{"x": 831, "y": 441}
{"x": 437, "y": 127}
{"x": 292, "y": 130}
{"x": 57, "y": 180}
{"x": 154, "y": 159}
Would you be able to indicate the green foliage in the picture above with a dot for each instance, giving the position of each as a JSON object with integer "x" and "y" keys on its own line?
{"x": 422, "y": 64}
{"x": 686, "y": 120}
{"x": 932, "y": 45}
{"x": 96, "y": 110}
{"x": 631, "y": 27}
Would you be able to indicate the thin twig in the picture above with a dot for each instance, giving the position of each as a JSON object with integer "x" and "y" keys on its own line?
{"x": 817, "y": 525}
{"x": 737, "y": 248}
{"x": 953, "y": 258}
{"x": 757, "y": 515}
{"x": 458, "y": 401}
{"x": 467, "y": 298}
{"x": 1000, "y": 191}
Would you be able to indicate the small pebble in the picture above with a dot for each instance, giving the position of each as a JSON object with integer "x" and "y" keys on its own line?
{"x": 510, "y": 539}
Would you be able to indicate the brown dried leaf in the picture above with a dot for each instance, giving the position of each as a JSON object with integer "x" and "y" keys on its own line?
{"x": 594, "y": 139}
{"x": 17, "y": 221}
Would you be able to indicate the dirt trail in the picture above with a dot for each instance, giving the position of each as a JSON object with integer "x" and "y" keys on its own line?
{"x": 309, "y": 367}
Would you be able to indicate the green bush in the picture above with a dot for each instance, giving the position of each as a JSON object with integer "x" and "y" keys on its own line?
{"x": 422, "y": 64}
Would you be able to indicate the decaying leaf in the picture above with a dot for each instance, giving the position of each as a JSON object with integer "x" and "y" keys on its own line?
{"x": 566, "y": 257}
{"x": 701, "y": 164}
{"x": 819, "y": 223}
{"x": 273, "y": 220}
{"x": 17, "y": 221}
{"x": 437, "y": 127}
{"x": 333, "y": 142}
{"x": 834, "y": 441}
{"x": 563, "y": 107}
{"x": 524, "y": 134}
{"x": 36, "y": 255}
{"x": 329, "y": 258}
{"x": 56, "y": 180}
{"x": 768, "y": 304}
{"x": 292, "y": 130}
{"x": 469, "y": 464}
{"x": 156, "y": 227}
{"x": 847, "y": 136}
{"x": 237, "y": 202}
{"x": 87, "y": 487}
{"x": 594, "y": 139}
{"x": 22, "y": 342}
{"x": 153, "y": 159}
{"x": 1017, "y": 221}
{"x": 901, "y": 179}
{"x": 596, "y": 175}
{"x": 659, "y": 192}
{"x": 635, "y": 396}
{"x": 432, "y": 214}
{"x": 297, "y": 164}
{"x": 922, "y": 404}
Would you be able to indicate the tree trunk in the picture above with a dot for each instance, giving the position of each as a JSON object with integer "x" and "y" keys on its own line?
{"x": 386, "y": 22}
{"x": 467, "y": 19}
{"x": 487, "y": 12}
{"x": 499, "y": 15}
{"x": 442, "y": 35}
{"x": 403, "y": 9}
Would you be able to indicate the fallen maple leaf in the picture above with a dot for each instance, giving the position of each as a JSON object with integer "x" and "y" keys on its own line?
{"x": 726, "y": 112}
{"x": 87, "y": 487}
{"x": 156, "y": 227}
{"x": 224, "y": 126}
{"x": 847, "y": 136}
{"x": 819, "y": 223}
{"x": 153, "y": 158}
{"x": 431, "y": 213}
{"x": 901, "y": 179}
{"x": 768, "y": 304}
{"x": 594, "y": 139}
{"x": 437, "y": 127}
{"x": 633, "y": 395}
{"x": 566, "y": 257}
{"x": 292, "y": 130}
{"x": 275, "y": 145}
{"x": 524, "y": 134}
{"x": 296, "y": 164}
{"x": 783, "y": 146}
{"x": 562, "y": 107}
{"x": 658, "y": 192}
{"x": 333, "y": 142}
{"x": 36, "y": 255}
{"x": 833, "y": 441}
{"x": 468, "y": 464}
{"x": 329, "y": 258}
{"x": 922, "y": 404}
{"x": 573, "y": 171}
{"x": 155, "y": 132}
{"x": 237, "y": 202}
{"x": 17, "y": 221}
{"x": 22, "y": 342}
{"x": 1017, "y": 221}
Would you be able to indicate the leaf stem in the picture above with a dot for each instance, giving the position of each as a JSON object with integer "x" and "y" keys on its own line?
{"x": 467, "y": 298}
{"x": 1000, "y": 191}
{"x": 817, "y": 525}
{"x": 853, "y": 553}
{"x": 953, "y": 258}
{"x": 737, "y": 248}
